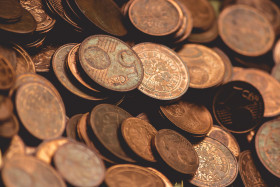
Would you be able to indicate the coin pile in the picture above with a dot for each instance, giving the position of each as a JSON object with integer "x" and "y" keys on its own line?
{"x": 158, "y": 93}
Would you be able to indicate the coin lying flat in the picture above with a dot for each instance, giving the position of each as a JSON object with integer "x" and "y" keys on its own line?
{"x": 7, "y": 74}
{"x": 9, "y": 127}
{"x": 138, "y": 134}
{"x": 40, "y": 110}
{"x": 240, "y": 26}
{"x": 248, "y": 171}
{"x": 6, "y": 107}
{"x": 166, "y": 77}
{"x": 111, "y": 63}
{"x": 205, "y": 66}
{"x": 132, "y": 176}
{"x": 79, "y": 165}
{"x": 176, "y": 151}
{"x": 163, "y": 177}
{"x": 10, "y": 10}
{"x": 28, "y": 171}
{"x": 267, "y": 146}
{"x": 217, "y": 165}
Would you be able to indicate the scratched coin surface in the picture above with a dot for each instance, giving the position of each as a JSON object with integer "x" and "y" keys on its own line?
{"x": 188, "y": 116}
{"x": 217, "y": 165}
{"x": 240, "y": 26}
{"x": 176, "y": 151}
{"x": 105, "y": 120}
{"x": 138, "y": 134}
{"x": 267, "y": 86}
{"x": 7, "y": 74}
{"x": 132, "y": 176}
{"x": 79, "y": 165}
{"x": 29, "y": 171}
{"x": 248, "y": 170}
{"x": 206, "y": 67}
{"x": 111, "y": 63}
{"x": 267, "y": 146}
{"x": 6, "y": 107}
{"x": 225, "y": 138}
{"x": 40, "y": 110}
{"x": 155, "y": 17}
{"x": 166, "y": 77}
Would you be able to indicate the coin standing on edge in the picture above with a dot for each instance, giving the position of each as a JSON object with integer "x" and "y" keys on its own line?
{"x": 6, "y": 107}
{"x": 7, "y": 74}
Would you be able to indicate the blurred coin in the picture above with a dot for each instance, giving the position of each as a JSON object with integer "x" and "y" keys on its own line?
{"x": 79, "y": 165}
{"x": 276, "y": 72}
{"x": 71, "y": 127}
{"x": 163, "y": 177}
{"x": 6, "y": 107}
{"x": 10, "y": 10}
{"x": 16, "y": 147}
{"x": 166, "y": 77}
{"x": 7, "y": 74}
{"x": 276, "y": 52}
{"x": 240, "y": 26}
{"x": 176, "y": 151}
{"x": 267, "y": 146}
{"x": 205, "y": 36}
{"x": 217, "y": 165}
{"x": 9, "y": 127}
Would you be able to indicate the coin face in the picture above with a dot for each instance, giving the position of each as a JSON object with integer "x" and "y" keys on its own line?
{"x": 240, "y": 26}
{"x": 111, "y": 63}
{"x": 6, "y": 107}
{"x": 40, "y": 110}
{"x": 248, "y": 171}
{"x": 176, "y": 151}
{"x": 188, "y": 116}
{"x": 138, "y": 134}
{"x": 7, "y": 74}
{"x": 225, "y": 138}
{"x": 205, "y": 66}
{"x": 166, "y": 77}
{"x": 105, "y": 120}
{"x": 267, "y": 146}
{"x": 238, "y": 106}
{"x": 155, "y": 17}
{"x": 29, "y": 171}
{"x": 79, "y": 165}
{"x": 217, "y": 165}
{"x": 10, "y": 10}
{"x": 9, "y": 127}
{"x": 131, "y": 175}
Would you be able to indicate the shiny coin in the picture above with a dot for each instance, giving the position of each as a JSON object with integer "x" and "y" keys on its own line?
{"x": 7, "y": 74}
{"x": 10, "y": 11}
{"x": 176, "y": 151}
{"x": 6, "y": 107}
{"x": 9, "y": 127}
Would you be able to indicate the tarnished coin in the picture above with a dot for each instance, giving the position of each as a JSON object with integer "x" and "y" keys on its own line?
{"x": 188, "y": 116}
{"x": 111, "y": 63}
{"x": 79, "y": 165}
{"x": 176, "y": 151}
{"x": 238, "y": 106}
{"x": 166, "y": 77}
{"x": 205, "y": 66}
{"x": 155, "y": 17}
{"x": 217, "y": 165}
{"x": 266, "y": 85}
{"x": 40, "y": 110}
{"x": 163, "y": 177}
{"x": 105, "y": 120}
{"x": 9, "y": 127}
{"x": 225, "y": 138}
{"x": 241, "y": 26}
{"x": 276, "y": 52}
{"x": 6, "y": 107}
{"x": 138, "y": 134}
{"x": 7, "y": 74}
{"x": 132, "y": 176}
{"x": 16, "y": 147}
{"x": 71, "y": 126}
{"x": 10, "y": 11}
{"x": 267, "y": 146}
{"x": 249, "y": 173}
{"x": 29, "y": 171}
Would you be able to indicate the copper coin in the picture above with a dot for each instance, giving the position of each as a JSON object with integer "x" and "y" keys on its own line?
{"x": 16, "y": 147}
{"x": 267, "y": 146}
{"x": 276, "y": 52}
{"x": 10, "y": 10}
{"x": 163, "y": 177}
{"x": 248, "y": 170}
{"x": 132, "y": 176}
{"x": 28, "y": 171}
{"x": 138, "y": 134}
{"x": 176, "y": 151}
{"x": 71, "y": 126}
{"x": 9, "y": 127}
{"x": 276, "y": 72}
{"x": 238, "y": 106}
{"x": 166, "y": 77}
{"x": 6, "y": 107}
{"x": 30, "y": 151}
{"x": 267, "y": 85}
{"x": 7, "y": 74}
{"x": 217, "y": 165}
{"x": 79, "y": 165}
{"x": 225, "y": 138}
{"x": 105, "y": 120}
{"x": 40, "y": 110}
{"x": 155, "y": 17}
{"x": 188, "y": 116}
{"x": 111, "y": 63}
{"x": 206, "y": 67}
{"x": 47, "y": 149}
{"x": 240, "y": 26}
{"x": 43, "y": 20}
